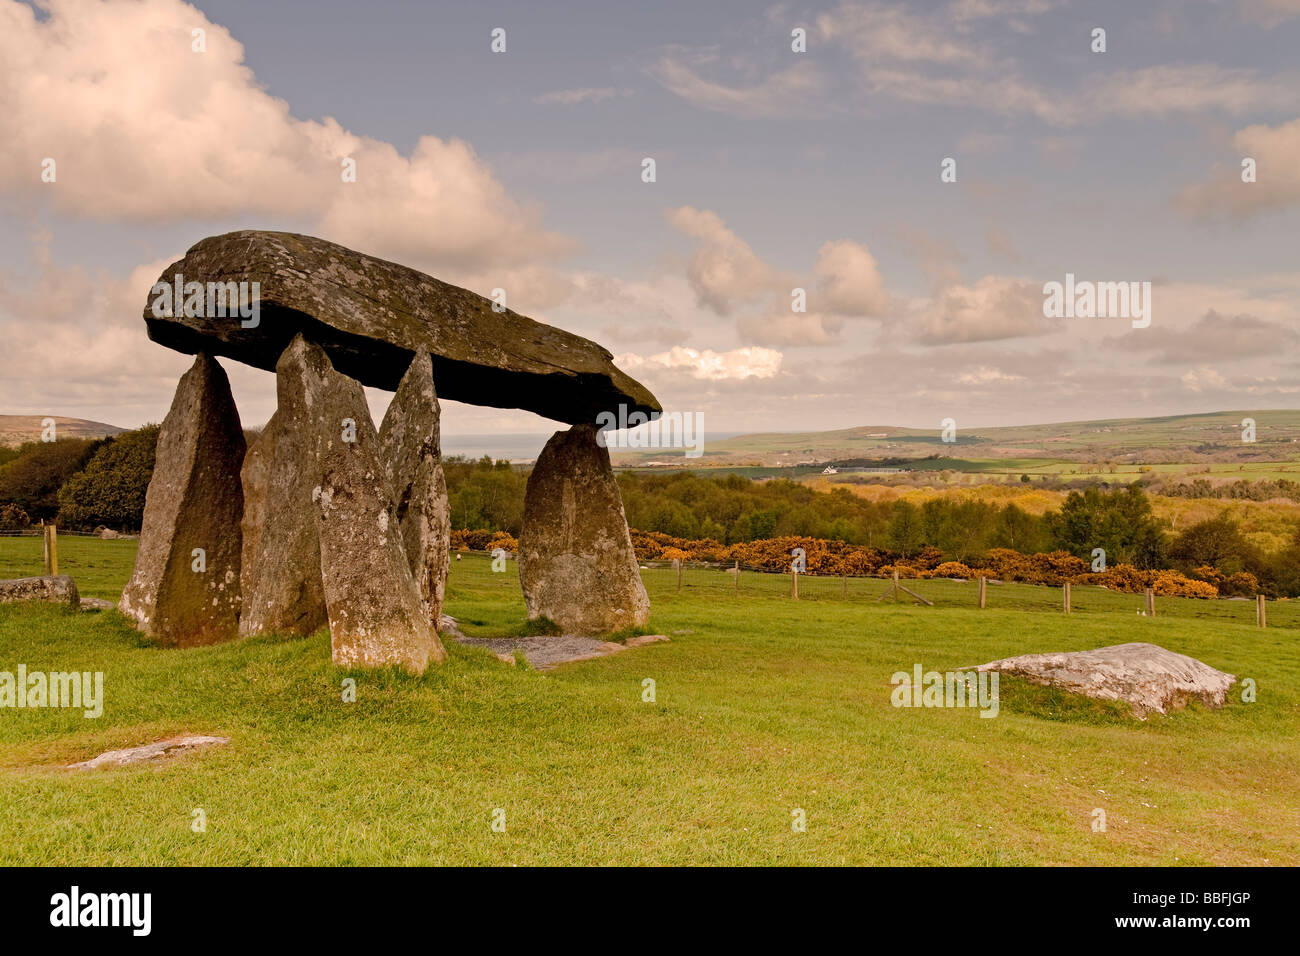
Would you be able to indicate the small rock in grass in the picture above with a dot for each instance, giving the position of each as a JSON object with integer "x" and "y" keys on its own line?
{"x": 162, "y": 748}
{"x": 54, "y": 588}
{"x": 1146, "y": 676}
{"x": 644, "y": 639}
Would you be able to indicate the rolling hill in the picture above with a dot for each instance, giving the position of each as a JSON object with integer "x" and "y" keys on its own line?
{"x": 1206, "y": 437}
{"x": 16, "y": 429}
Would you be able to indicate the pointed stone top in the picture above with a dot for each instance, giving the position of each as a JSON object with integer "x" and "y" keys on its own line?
{"x": 371, "y": 315}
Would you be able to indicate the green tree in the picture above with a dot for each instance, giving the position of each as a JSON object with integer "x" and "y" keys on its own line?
{"x": 906, "y": 531}
{"x": 32, "y": 479}
{"x": 110, "y": 490}
{"x": 1120, "y": 521}
{"x": 1217, "y": 542}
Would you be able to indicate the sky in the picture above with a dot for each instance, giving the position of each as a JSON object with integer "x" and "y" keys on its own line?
{"x": 775, "y": 170}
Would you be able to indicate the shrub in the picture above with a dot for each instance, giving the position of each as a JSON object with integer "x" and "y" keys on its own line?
{"x": 953, "y": 569}
{"x": 110, "y": 490}
{"x": 13, "y": 518}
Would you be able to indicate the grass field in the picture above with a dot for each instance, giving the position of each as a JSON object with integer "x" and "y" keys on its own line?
{"x": 1056, "y": 448}
{"x": 763, "y": 705}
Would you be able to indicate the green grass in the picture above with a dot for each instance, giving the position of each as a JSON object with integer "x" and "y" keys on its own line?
{"x": 100, "y": 567}
{"x": 763, "y": 705}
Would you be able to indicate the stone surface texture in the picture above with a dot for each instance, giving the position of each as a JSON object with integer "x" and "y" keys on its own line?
{"x": 370, "y": 316}
{"x": 1147, "y": 676}
{"x": 171, "y": 747}
{"x": 375, "y": 614}
{"x": 576, "y": 562}
{"x": 409, "y": 448}
{"x": 283, "y": 590}
{"x": 53, "y": 588}
{"x": 194, "y": 501}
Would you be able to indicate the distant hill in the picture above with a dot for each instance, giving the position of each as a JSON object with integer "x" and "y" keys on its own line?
{"x": 1211, "y": 436}
{"x": 16, "y": 429}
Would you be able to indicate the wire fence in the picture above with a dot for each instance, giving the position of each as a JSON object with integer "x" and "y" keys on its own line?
{"x": 103, "y": 565}
{"x": 667, "y": 583}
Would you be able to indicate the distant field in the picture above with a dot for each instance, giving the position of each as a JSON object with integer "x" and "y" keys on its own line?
{"x": 16, "y": 429}
{"x": 1127, "y": 442}
{"x": 99, "y": 567}
{"x": 763, "y": 705}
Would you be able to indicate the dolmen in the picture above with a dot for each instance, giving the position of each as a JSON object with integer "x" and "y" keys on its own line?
{"x": 326, "y": 520}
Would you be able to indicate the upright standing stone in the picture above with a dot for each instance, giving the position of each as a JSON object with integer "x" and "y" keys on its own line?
{"x": 253, "y": 479}
{"x": 375, "y": 613}
{"x": 576, "y": 562}
{"x": 283, "y": 592}
{"x": 185, "y": 590}
{"x": 408, "y": 440}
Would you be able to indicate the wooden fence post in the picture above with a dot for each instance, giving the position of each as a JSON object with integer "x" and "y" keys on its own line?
{"x": 737, "y": 576}
{"x": 794, "y": 583}
{"x": 1067, "y": 597}
{"x": 1151, "y": 603}
{"x": 984, "y": 591}
{"x": 45, "y": 541}
{"x": 54, "y": 548}
{"x": 678, "y": 562}
{"x": 1261, "y": 617}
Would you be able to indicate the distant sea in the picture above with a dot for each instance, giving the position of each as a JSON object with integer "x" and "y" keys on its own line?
{"x": 496, "y": 445}
{"x": 514, "y": 447}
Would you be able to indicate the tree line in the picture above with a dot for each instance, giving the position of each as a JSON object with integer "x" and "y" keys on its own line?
{"x": 87, "y": 483}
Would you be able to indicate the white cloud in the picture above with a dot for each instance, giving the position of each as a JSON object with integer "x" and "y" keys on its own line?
{"x": 724, "y": 270}
{"x": 1202, "y": 379}
{"x": 995, "y": 307}
{"x": 791, "y": 328}
{"x": 584, "y": 94}
{"x": 785, "y": 92}
{"x": 986, "y": 375}
{"x": 707, "y": 364}
{"x": 1276, "y": 151}
{"x": 145, "y": 130}
{"x": 850, "y": 280}
{"x": 936, "y": 56}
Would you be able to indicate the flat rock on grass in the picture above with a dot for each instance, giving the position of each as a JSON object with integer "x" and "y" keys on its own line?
{"x": 54, "y": 588}
{"x": 162, "y": 748}
{"x": 543, "y": 653}
{"x": 1147, "y": 676}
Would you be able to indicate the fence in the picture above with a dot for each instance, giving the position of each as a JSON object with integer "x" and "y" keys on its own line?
{"x": 102, "y": 566}
{"x": 687, "y": 580}
{"x": 667, "y": 583}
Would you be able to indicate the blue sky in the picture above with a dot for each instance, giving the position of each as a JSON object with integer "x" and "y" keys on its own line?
{"x": 775, "y": 170}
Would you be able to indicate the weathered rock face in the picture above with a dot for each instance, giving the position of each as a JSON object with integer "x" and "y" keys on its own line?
{"x": 1146, "y": 676}
{"x": 283, "y": 591}
{"x": 171, "y": 747}
{"x": 409, "y": 449}
{"x": 194, "y": 502}
{"x": 375, "y": 613}
{"x": 370, "y": 316}
{"x": 575, "y": 554}
{"x": 54, "y": 588}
